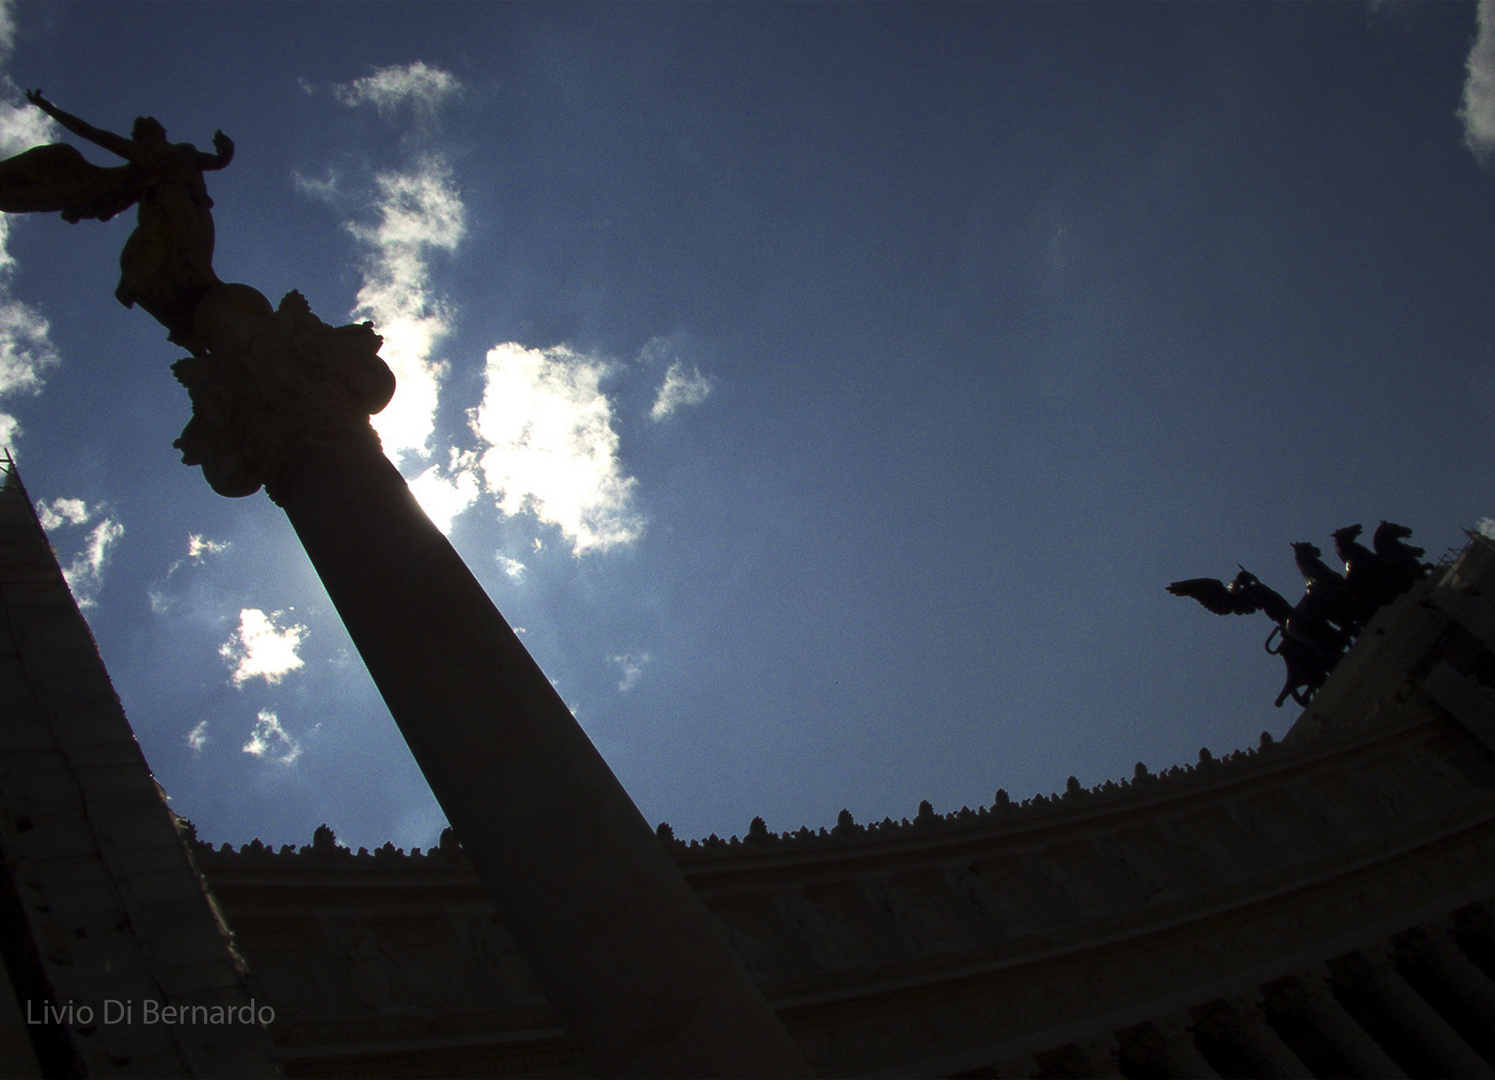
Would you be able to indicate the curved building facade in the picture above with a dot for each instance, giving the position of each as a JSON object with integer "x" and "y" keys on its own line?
{"x": 1319, "y": 906}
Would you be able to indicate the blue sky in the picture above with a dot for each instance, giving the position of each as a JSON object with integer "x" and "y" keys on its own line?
{"x": 827, "y": 392}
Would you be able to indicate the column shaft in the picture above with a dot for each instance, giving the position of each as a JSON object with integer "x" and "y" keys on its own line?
{"x": 1349, "y": 1040}
{"x": 1181, "y": 1055}
{"x": 1184, "y": 1060}
{"x": 1242, "y": 1020}
{"x": 1464, "y": 977}
{"x": 632, "y": 962}
{"x": 1435, "y": 1034}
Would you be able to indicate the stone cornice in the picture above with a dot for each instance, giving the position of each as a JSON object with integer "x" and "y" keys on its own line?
{"x": 1034, "y": 821}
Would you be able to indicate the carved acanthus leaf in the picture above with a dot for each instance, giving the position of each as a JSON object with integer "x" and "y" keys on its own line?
{"x": 273, "y": 384}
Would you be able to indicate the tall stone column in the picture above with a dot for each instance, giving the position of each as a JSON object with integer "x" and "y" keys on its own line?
{"x": 1436, "y": 946}
{"x": 1017, "y": 1068}
{"x": 1309, "y": 993}
{"x": 1375, "y": 969}
{"x": 1098, "y": 1057}
{"x": 1242, "y": 1021}
{"x": 633, "y": 964}
{"x": 1169, "y": 1042}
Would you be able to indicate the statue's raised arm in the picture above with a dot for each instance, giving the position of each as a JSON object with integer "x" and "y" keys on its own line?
{"x": 225, "y": 153}
{"x": 115, "y": 144}
{"x": 167, "y": 263}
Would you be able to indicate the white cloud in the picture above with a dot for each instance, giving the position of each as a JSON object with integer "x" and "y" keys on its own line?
{"x": 1478, "y": 110}
{"x": 61, "y": 512}
{"x": 198, "y": 546}
{"x": 680, "y": 387}
{"x": 197, "y": 738}
{"x": 417, "y": 84}
{"x": 513, "y": 567}
{"x": 1485, "y": 526}
{"x": 326, "y": 189}
{"x": 443, "y": 494}
{"x": 632, "y": 666}
{"x": 260, "y": 650}
{"x": 25, "y": 351}
{"x": 85, "y": 574}
{"x": 416, "y": 210}
{"x": 272, "y": 742}
{"x": 551, "y": 447}
{"x": 22, "y": 124}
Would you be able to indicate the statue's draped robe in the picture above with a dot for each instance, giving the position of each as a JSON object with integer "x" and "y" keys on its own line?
{"x": 167, "y": 263}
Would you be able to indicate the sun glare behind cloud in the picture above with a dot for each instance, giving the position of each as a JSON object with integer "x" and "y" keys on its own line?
{"x": 259, "y": 649}
{"x": 551, "y": 448}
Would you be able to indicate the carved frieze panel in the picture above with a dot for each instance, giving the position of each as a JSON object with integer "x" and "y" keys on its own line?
{"x": 1148, "y": 862}
{"x": 916, "y": 916}
{"x": 1001, "y": 913}
{"x": 828, "y": 939}
{"x": 1217, "y": 844}
{"x": 505, "y": 978}
{"x": 1016, "y": 909}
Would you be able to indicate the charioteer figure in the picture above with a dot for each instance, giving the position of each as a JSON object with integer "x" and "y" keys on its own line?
{"x": 1313, "y": 634}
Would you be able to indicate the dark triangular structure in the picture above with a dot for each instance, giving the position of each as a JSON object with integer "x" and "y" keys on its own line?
{"x": 105, "y": 921}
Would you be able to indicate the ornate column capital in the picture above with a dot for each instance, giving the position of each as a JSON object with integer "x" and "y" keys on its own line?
{"x": 1304, "y": 991}
{"x": 1172, "y": 1039}
{"x": 1098, "y": 1055}
{"x": 1424, "y": 944}
{"x": 273, "y": 382}
{"x": 1367, "y": 967}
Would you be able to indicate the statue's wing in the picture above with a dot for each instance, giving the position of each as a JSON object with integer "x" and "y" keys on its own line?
{"x": 56, "y": 178}
{"x": 1214, "y": 595}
